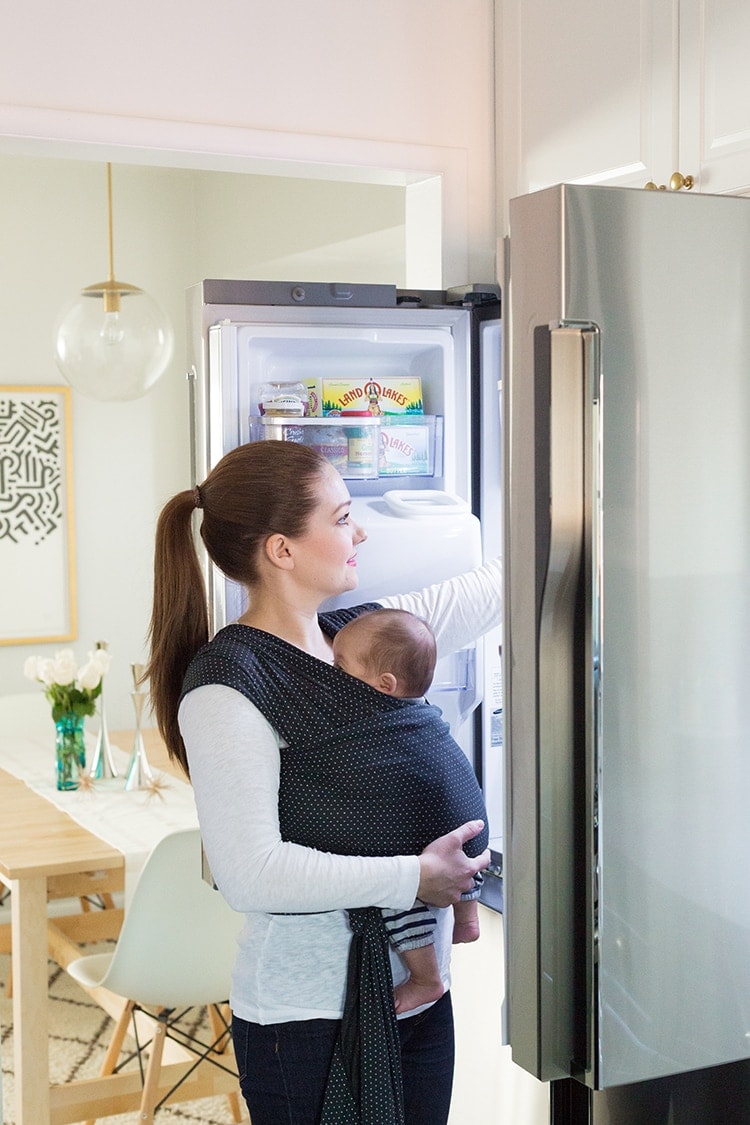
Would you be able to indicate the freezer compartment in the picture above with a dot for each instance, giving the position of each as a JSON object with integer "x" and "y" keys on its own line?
{"x": 244, "y": 357}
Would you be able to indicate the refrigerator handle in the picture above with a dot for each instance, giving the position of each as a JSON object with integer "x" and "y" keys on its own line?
{"x": 561, "y": 718}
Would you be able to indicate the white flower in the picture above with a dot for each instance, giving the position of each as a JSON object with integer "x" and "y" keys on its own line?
{"x": 68, "y": 688}
{"x": 101, "y": 660}
{"x": 46, "y": 670}
{"x": 89, "y": 676}
{"x": 65, "y": 667}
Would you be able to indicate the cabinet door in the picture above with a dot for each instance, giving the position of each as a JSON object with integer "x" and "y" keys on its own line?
{"x": 714, "y": 132}
{"x": 589, "y": 91}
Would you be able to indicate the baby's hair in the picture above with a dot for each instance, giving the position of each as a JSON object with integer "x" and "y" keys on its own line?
{"x": 394, "y": 640}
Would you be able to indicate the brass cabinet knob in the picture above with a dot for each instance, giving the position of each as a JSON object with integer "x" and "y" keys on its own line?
{"x": 676, "y": 182}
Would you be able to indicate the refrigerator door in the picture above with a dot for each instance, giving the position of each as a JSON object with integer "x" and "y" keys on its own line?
{"x": 488, "y": 490}
{"x": 628, "y": 633}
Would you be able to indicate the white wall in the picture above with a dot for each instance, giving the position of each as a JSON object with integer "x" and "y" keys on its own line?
{"x": 379, "y": 87}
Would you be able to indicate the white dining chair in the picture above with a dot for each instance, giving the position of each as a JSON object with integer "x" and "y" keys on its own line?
{"x": 175, "y": 952}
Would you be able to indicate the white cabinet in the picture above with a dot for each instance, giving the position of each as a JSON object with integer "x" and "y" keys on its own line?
{"x": 713, "y": 127}
{"x": 606, "y": 91}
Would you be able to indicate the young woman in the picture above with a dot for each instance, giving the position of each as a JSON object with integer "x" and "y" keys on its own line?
{"x": 275, "y": 517}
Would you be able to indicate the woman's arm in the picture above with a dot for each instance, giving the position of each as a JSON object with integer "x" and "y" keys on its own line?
{"x": 234, "y": 767}
{"x": 459, "y": 609}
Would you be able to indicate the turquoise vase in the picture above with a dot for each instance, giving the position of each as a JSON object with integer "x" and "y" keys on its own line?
{"x": 71, "y": 750}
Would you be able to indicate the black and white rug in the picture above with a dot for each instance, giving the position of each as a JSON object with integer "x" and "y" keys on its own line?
{"x": 80, "y": 1033}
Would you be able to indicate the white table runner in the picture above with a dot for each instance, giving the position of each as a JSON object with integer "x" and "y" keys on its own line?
{"x": 131, "y": 821}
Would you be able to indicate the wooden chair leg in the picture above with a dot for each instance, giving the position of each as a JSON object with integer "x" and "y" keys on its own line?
{"x": 218, "y": 1025}
{"x": 151, "y": 1081}
{"x": 115, "y": 1045}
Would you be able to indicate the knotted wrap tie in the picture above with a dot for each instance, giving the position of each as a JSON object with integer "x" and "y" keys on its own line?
{"x": 364, "y": 1082}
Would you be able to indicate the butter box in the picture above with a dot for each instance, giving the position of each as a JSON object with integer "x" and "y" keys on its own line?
{"x": 394, "y": 394}
{"x": 314, "y": 397}
{"x": 407, "y": 446}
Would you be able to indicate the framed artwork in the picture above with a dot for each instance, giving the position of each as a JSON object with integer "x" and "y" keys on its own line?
{"x": 37, "y": 561}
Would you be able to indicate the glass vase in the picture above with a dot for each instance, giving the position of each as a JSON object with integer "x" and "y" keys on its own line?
{"x": 71, "y": 750}
{"x": 102, "y": 767}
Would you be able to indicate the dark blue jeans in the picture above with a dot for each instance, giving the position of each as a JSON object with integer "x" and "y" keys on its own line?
{"x": 283, "y": 1067}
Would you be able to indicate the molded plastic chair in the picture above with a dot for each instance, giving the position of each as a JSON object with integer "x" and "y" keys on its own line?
{"x": 175, "y": 951}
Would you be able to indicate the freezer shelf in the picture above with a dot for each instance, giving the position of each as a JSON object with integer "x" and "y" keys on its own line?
{"x": 364, "y": 448}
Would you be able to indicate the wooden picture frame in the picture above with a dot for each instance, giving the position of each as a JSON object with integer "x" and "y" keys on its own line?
{"x": 37, "y": 546}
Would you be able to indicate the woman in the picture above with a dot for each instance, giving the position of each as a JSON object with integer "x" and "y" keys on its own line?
{"x": 275, "y": 518}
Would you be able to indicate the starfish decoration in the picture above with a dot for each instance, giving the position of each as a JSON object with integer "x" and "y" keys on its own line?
{"x": 156, "y": 785}
{"x": 86, "y": 784}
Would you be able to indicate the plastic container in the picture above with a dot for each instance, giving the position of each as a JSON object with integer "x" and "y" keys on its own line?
{"x": 409, "y": 445}
{"x": 350, "y": 444}
{"x": 283, "y": 400}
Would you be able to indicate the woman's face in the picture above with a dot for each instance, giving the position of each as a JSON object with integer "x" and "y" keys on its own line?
{"x": 325, "y": 555}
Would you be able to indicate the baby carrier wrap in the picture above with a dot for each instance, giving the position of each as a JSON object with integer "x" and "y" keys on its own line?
{"x": 363, "y": 773}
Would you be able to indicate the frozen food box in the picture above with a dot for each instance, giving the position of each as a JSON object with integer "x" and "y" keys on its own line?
{"x": 407, "y": 446}
{"x": 368, "y": 396}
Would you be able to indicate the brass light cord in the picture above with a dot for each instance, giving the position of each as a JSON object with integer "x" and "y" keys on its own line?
{"x": 109, "y": 224}
{"x": 111, "y": 294}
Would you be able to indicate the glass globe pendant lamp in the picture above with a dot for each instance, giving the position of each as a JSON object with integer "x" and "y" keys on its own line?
{"x": 113, "y": 341}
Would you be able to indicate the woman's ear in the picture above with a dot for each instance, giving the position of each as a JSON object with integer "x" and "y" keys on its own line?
{"x": 276, "y": 550}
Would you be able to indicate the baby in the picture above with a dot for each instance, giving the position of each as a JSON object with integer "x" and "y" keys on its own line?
{"x": 395, "y": 653}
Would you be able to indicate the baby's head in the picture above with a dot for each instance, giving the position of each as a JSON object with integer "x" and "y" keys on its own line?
{"x": 390, "y": 649}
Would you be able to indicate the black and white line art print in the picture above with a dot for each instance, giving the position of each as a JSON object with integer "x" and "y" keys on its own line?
{"x": 37, "y": 589}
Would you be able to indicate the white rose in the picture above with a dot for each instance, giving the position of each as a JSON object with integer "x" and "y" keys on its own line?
{"x": 65, "y": 667}
{"x": 46, "y": 669}
{"x": 101, "y": 660}
{"x": 89, "y": 676}
{"x": 31, "y": 668}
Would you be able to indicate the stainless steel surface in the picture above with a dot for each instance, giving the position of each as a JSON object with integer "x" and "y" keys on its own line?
{"x": 662, "y": 817}
{"x": 558, "y": 622}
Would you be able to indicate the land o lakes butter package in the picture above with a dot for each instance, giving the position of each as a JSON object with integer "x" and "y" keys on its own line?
{"x": 394, "y": 394}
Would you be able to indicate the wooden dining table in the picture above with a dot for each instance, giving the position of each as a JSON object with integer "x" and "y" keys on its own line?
{"x": 46, "y": 854}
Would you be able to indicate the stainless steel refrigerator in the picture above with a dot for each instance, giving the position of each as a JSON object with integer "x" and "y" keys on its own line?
{"x": 427, "y": 518}
{"x": 627, "y": 652}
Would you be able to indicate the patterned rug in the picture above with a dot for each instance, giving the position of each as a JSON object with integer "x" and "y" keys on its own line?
{"x": 80, "y": 1033}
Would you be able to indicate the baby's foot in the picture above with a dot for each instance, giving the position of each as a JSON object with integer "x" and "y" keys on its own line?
{"x": 465, "y": 931}
{"x": 413, "y": 994}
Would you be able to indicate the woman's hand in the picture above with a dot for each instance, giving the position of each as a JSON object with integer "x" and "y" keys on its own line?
{"x": 445, "y": 871}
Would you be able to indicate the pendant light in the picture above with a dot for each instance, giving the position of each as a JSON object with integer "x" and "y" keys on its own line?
{"x": 113, "y": 341}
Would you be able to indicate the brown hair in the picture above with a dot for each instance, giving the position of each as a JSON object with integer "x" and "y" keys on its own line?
{"x": 254, "y": 491}
{"x": 397, "y": 641}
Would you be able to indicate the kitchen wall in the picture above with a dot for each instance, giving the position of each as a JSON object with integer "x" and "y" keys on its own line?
{"x": 367, "y": 90}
